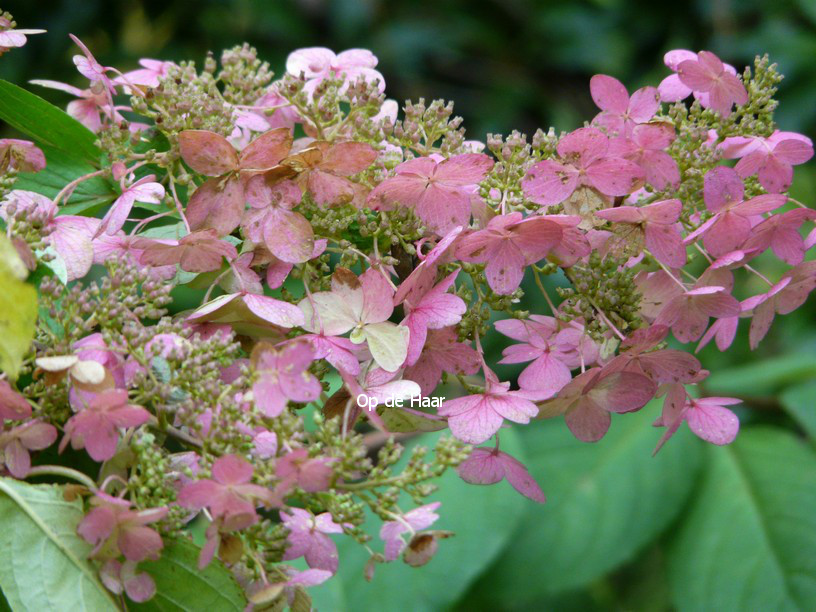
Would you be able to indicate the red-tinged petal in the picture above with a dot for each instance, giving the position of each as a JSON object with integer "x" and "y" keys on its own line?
{"x": 482, "y": 467}
{"x": 794, "y": 150}
{"x": 660, "y": 168}
{"x": 207, "y": 153}
{"x": 327, "y": 189}
{"x": 761, "y": 323}
{"x": 217, "y": 205}
{"x": 322, "y": 553}
{"x": 549, "y": 183}
{"x": 546, "y": 375}
{"x": 101, "y": 443}
{"x": 775, "y": 175}
{"x": 696, "y": 75}
{"x": 722, "y": 186}
{"x": 266, "y": 150}
{"x": 476, "y": 424}
{"x": 585, "y": 144}
{"x": 198, "y": 494}
{"x": 727, "y": 233}
{"x": 623, "y": 391}
{"x": 536, "y": 237}
{"x": 405, "y": 189}
{"x": 275, "y": 311}
{"x": 17, "y": 460}
{"x": 72, "y": 241}
{"x": 36, "y": 435}
{"x": 666, "y": 244}
{"x": 231, "y": 469}
{"x": 787, "y": 244}
{"x": 609, "y": 94}
{"x": 138, "y": 543}
{"x": 712, "y": 423}
{"x": 587, "y": 421}
{"x": 520, "y": 479}
{"x": 512, "y": 407}
{"x": 13, "y": 406}
{"x": 644, "y": 104}
{"x": 347, "y": 158}
{"x": 505, "y": 268}
{"x": 288, "y": 235}
{"x": 672, "y": 89}
{"x": 129, "y": 416}
{"x": 615, "y": 176}
{"x": 98, "y": 525}
{"x": 443, "y": 208}
{"x": 462, "y": 170}
{"x": 760, "y": 204}
{"x": 139, "y": 586}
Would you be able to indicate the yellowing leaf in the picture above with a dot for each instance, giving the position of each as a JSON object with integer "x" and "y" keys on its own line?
{"x": 18, "y": 310}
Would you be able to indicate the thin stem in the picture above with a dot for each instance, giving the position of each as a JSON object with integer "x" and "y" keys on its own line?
{"x": 69, "y": 188}
{"x": 543, "y": 290}
{"x": 65, "y": 472}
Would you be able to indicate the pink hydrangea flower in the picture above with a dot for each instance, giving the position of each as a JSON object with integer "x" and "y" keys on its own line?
{"x": 327, "y": 168}
{"x": 145, "y": 190}
{"x": 363, "y": 306}
{"x": 230, "y": 495}
{"x": 218, "y": 203}
{"x": 771, "y": 159}
{"x": 16, "y": 443}
{"x": 659, "y": 223}
{"x": 318, "y": 63}
{"x": 620, "y": 113}
{"x": 434, "y": 310}
{"x": 732, "y": 222}
{"x": 587, "y": 401}
{"x": 486, "y": 466}
{"x": 707, "y": 417}
{"x": 541, "y": 343}
{"x": 13, "y": 406}
{"x": 585, "y": 153}
{"x": 113, "y": 529}
{"x": 283, "y": 376}
{"x": 311, "y": 474}
{"x": 200, "y": 251}
{"x": 687, "y": 313}
{"x": 96, "y": 427}
{"x": 249, "y": 308}
{"x": 475, "y": 418}
{"x": 439, "y": 190}
{"x": 663, "y": 365}
{"x": 308, "y": 538}
{"x": 286, "y": 233}
{"x": 780, "y": 233}
{"x": 91, "y": 69}
{"x": 716, "y": 84}
{"x": 13, "y": 38}
{"x": 442, "y": 353}
{"x": 118, "y": 577}
{"x": 646, "y": 146}
{"x": 783, "y": 298}
{"x": 507, "y": 245}
{"x": 69, "y": 235}
{"x": 149, "y": 75}
{"x": 412, "y": 521}
{"x": 21, "y": 155}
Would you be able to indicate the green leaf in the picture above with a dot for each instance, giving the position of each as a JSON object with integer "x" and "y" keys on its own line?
{"x": 18, "y": 310}
{"x": 180, "y": 585}
{"x": 605, "y": 501}
{"x": 800, "y": 402}
{"x": 749, "y": 539}
{"x": 46, "y": 123}
{"x": 483, "y": 518}
{"x": 765, "y": 377}
{"x": 88, "y": 197}
{"x": 44, "y": 560}
{"x": 397, "y": 421}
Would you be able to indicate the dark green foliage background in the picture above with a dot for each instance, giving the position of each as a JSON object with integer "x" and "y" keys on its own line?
{"x": 695, "y": 528}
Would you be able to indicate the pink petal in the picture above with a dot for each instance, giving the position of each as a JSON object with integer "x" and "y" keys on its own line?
{"x": 609, "y": 94}
{"x": 615, "y": 176}
{"x": 712, "y": 423}
{"x": 644, "y": 104}
{"x": 520, "y": 479}
{"x": 275, "y": 311}
{"x": 207, "y": 153}
{"x": 465, "y": 169}
{"x": 266, "y": 150}
{"x": 549, "y": 182}
{"x": 217, "y": 206}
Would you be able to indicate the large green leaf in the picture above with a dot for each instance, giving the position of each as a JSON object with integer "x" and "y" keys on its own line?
{"x": 765, "y": 377}
{"x": 800, "y": 403}
{"x": 61, "y": 168}
{"x": 605, "y": 501}
{"x": 44, "y": 563}
{"x": 18, "y": 309}
{"x": 45, "y": 123}
{"x": 749, "y": 540}
{"x": 483, "y": 518}
{"x": 180, "y": 585}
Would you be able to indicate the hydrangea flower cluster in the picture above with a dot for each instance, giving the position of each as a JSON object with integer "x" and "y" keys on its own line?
{"x": 341, "y": 250}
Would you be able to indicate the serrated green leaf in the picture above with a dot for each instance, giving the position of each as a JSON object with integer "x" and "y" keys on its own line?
{"x": 800, "y": 403}
{"x": 18, "y": 310}
{"x": 181, "y": 586}
{"x": 90, "y": 195}
{"x": 749, "y": 540}
{"x": 483, "y": 519}
{"x": 45, "y": 123}
{"x": 605, "y": 501}
{"x": 44, "y": 560}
